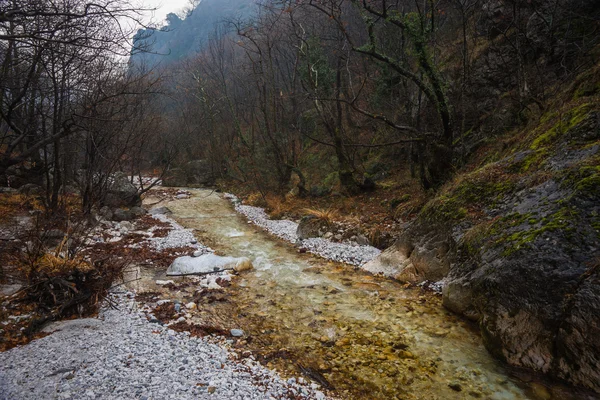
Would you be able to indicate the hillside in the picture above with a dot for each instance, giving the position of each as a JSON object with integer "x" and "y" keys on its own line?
{"x": 182, "y": 38}
{"x": 374, "y": 199}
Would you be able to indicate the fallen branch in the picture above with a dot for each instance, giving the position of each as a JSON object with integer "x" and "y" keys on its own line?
{"x": 199, "y": 273}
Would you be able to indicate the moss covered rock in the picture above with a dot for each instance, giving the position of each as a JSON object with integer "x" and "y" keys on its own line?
{"x": 521, "y": 241}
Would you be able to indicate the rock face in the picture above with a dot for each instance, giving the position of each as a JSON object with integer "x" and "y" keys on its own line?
{"x": 410, "y": 260}
{"x": 520, "y": 252}
{"x": 122, "y": 193}
{"x": 207, "y": 264}
{"x": 194, "y": 173}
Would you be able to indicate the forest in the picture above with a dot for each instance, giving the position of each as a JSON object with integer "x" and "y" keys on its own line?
{"x": 458, "y": 138}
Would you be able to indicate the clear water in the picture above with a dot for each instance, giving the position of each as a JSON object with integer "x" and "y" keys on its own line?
{"x": 367, "y": 336}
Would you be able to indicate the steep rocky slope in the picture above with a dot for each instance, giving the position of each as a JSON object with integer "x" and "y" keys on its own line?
{"x": 517, "y": 241}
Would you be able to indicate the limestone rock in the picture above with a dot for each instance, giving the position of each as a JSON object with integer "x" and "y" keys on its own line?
{"x": 207, "y": 264}
{"x": 392, "y": 262}
{"x": 175, "y": 177}
{"x": 426, "y": 259}
{"x": 122, "y": 215}
{"x": 310, "y": 227}
{"x": 121, "y": 192}
{"x": 199, "y": 173}
{"x": 243, "y": 265}
{"x": 160, "y": 211}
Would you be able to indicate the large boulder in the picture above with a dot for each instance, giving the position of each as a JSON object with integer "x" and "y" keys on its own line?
{"x": 175, "y": 177}
{"x": 414, "y": 257}
{"x": 193, "y": 173}
{"x": 121, "y": 192}
{"x": 519, "y": 242}
{"x": 199, "y": 173}
{"x": 310, "y": 227}
{"x": 120, "y": 214}
{"x": 206, "y": 264}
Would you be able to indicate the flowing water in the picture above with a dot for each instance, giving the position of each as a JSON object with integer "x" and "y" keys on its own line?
{"x": 366, "y": 337}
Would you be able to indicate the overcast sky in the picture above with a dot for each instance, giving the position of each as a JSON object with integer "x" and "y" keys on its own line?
{"x": 163, "y": 7}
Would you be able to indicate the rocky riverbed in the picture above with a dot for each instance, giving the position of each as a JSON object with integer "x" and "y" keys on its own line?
{"x": 121, "y": 355}
{"x": 346, "y": 252}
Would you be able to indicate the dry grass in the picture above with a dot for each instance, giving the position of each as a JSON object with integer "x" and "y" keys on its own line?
{"x": 13, "y": 204}
{"x": 327, "y": 216}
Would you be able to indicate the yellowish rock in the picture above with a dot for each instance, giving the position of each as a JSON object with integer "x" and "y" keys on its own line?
{"x": 243, "y": 265}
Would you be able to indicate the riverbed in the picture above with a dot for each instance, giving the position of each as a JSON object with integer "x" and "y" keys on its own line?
{"x": 359, "y": 335}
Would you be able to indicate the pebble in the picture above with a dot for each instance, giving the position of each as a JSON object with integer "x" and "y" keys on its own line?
{"x": 237, "y": 333}
{"x": 123, "y": 356}
{"x": 176, "y": 237}
{"x": 347, "y": 252}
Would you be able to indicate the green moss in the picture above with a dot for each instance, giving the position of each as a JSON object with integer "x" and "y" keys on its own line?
{"x": 331, "y": 180}
{"x": 402, "y": 199}
{"x": 517, "y": 240}
{"x": 532, "y": 161}
{"x": 480, "y": 188}
{"x": 565, "y": 123}
{"x": 587, "y": 88}
{"x": 584, "y": 178}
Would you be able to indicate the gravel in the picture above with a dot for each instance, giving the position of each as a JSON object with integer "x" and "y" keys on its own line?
{"x": 120, "y": 355}
{"x": 347, "y": 252}
{"x": 178, "y": 236}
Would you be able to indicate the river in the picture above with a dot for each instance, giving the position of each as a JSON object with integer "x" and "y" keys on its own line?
{"x": 365, "y": 336}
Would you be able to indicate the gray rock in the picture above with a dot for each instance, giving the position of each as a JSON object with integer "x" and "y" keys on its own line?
{"x": 73, "y": 325}
{"x": 206, "y": 264}
{"x": 160, "y": 211}
{"x": 310, "y": 227}
{"x": 175, "y": 177}
{"x": 138, "y": 211}
{"x": 457, "y": 296}
{"x": 362, "y": 240}
{"x": 126, "y": 226}
{"x": 121, "y": 192}
{"x": 394, "y": 262}
{"x": 106, "y": 213}
{"x": 237, "y": 332}
{"x": 31, "y": 189}
{"x": 8, "y": 190}
{"x": 122, "y": 215}
{"x": 9, "y": 290}
{"x": 199, "y": 173}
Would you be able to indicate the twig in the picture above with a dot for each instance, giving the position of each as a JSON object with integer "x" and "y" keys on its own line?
{"x": 199, "y": 273}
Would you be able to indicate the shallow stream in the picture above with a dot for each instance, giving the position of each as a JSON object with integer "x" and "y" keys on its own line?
{"x": 367, "y": 337}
